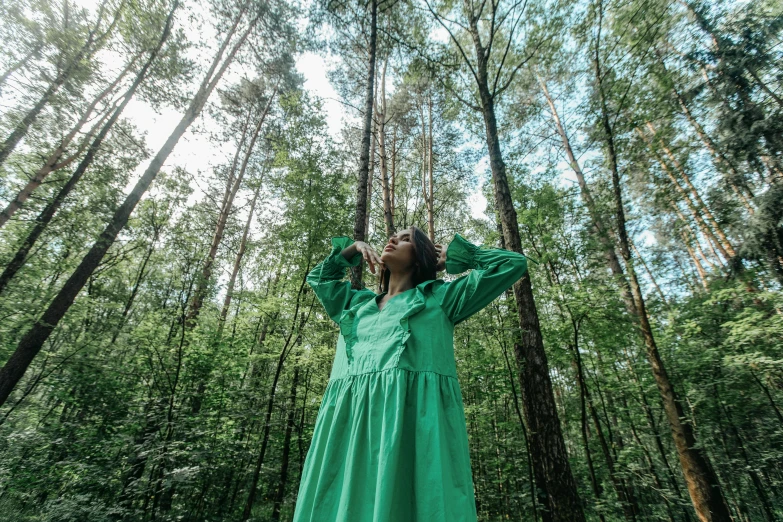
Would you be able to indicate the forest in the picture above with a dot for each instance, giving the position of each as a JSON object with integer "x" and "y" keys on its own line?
{"x": 163, "y": 358}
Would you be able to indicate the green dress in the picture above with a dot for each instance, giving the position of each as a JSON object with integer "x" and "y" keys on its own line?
{"x": 390, "y": 442}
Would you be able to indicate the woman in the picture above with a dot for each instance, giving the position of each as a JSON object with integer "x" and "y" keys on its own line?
{"x": 390, "y": 442}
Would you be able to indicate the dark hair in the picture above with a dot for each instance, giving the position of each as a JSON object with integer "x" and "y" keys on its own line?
{"x": 426, "y": 260}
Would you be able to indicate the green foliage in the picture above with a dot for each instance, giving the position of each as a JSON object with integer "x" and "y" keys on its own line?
{"x": 131, "y": 413}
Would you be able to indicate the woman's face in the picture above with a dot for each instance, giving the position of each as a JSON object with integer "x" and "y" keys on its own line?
{"x": 399, "y": 253}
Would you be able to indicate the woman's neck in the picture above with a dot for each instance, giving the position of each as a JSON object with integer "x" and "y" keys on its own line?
{"x": 399, "y": 284}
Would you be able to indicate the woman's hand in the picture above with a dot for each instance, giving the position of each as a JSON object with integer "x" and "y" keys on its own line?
{"x": 368, "y": 253}
{"x": 441, "y": 251}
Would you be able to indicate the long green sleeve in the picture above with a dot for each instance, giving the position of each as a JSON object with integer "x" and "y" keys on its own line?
{"x": 327, "y": 280}
{"x": 494, "y": 270}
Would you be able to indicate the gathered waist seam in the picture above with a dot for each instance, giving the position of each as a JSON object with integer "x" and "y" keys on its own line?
{"x": 344, "y": 377}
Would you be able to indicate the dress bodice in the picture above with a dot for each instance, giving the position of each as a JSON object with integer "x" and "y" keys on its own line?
{"x": 411, "y": 332}
{"x": 415, "y": 329}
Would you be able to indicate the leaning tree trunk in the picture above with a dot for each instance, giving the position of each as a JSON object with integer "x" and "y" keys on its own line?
{"x": 33, "y": 340}
{"x": 217, "y": 237}
{"x": 708, "y": 233}
{"x": 209, "y": 262}
{"x": 719, "y": 159}
{"x": 599, "y": 229}
{"x": 47, "y": 214}
{"x": 54, "y": 161}
{"x": 552, "y": 469}
{"x": 359, "y": 229}
{"x": 698, "y": 201}
{"x": 702, "y": 482}
{"x": 237, "y": 263}
{"x": 87, "y": 50}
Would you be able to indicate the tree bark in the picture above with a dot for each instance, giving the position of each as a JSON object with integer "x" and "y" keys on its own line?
{"x": 87, "y": 50}
{"x": 359, "y": 230}
{"x": 388, "y": 210}
{"x": 32, "y": 342}
{"x": 424, "y": 157}
{"x": 430, "y": 173}
{"x": 237, "y": 262}
{"x": 370, "y": 176}
{"x": 552, "y": 470}
{"x": 289, "y": 427}
{"x": 393, "y": 179}
{"x": 700, "y": 477}
{"x": 53, "y": 161}
{"x": 225, "y": 211}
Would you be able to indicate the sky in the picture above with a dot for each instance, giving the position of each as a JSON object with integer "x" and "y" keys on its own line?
{"x": 196, "y": 153}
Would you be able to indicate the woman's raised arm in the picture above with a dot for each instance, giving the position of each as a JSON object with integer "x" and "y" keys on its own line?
{"x": 494, "y": 270}
{"x": 327, "y": 279}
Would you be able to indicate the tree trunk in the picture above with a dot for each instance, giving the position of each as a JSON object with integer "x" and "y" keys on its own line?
{"x": 430, "y": 172}
{"x": 719, "y": 158}
{"x": 44, "y": 218}
{"x": 424, "y": 156}
{"x": 33, "y": 340}
{"x": 53, "y": 162}
{"x": 284, "y": 352}
{"x": 696, "y": 196}
{"x": 650, "y": 275}
{"x": 136, "y": 285}
{"x": 599, "y": 229}
{"x": 700, "y": 478}
{"x": 696, "y": 262}
{"x": 217, "y": 237}
{"x": 370, "y": 176}
{"x": 237, "y": 154}
{"x": 695, "y": 212}
{"x": 552, "y": 469}
{"x": 87, "y": 50}
{"x": 393, "y": 179}
{"x": 359, "y": 230}
{"x": 693, "y": 233}
{"x": 289, "y": 427}
{"x": 388, "y": 211}
{"x": 238, "y": 262}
